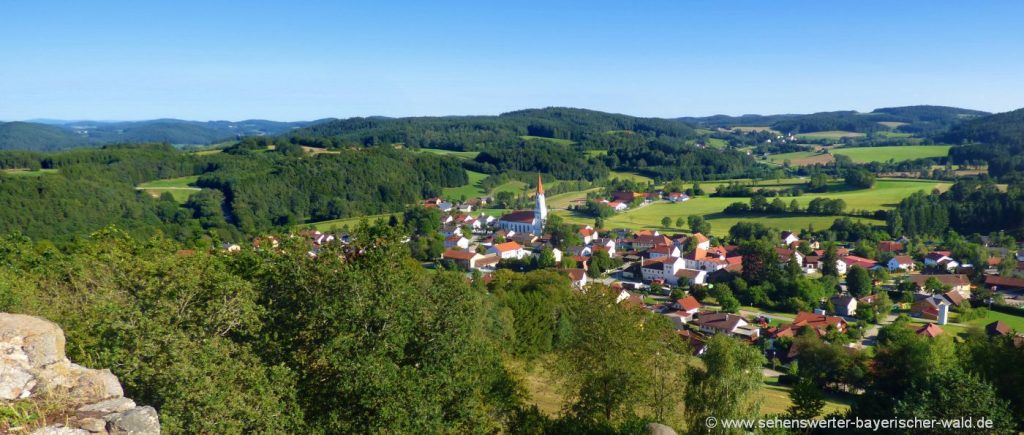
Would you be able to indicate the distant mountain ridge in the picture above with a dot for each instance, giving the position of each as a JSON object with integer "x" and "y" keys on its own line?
{"x": 53, "y": 135}
{"x": 910, "y": 119}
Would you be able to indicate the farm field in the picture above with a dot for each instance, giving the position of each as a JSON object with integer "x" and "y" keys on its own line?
{"x": 885, "y": 194}
{"x": 335, "y": 224}
{"x": 469, "y": 190}
{"x": 716, "y": 142}
{"x": 564, "y": 200}
{"x": 897, "y": 153}
{"x": 751, "y": 128}
{"x": 180, "y": 188}
{"x": 27, "y": 172}
{"x": 892, "y": 124}
{"x": 801, "y": 158}
{"x": 832, "y": 135}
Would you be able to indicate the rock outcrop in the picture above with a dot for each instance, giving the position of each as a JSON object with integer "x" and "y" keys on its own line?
{"x": 33, "y": 367}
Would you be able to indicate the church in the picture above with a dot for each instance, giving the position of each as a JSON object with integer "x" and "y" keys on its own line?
{"x": 528, "y": 221}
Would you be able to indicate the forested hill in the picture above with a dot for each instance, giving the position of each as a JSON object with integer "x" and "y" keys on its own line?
{"x": 84, "y": 190}
{"x": 996, "y": 140}
{"x": 58, "y": 135}
{"x": 907, "y": 119}
{"x": 479, "y": 132}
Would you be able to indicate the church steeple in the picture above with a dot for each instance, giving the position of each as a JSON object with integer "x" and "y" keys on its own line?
{"x": 540, "y": 211}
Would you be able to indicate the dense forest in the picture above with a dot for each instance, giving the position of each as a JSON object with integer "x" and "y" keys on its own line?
{"x": 969, "y": 207}
{"x": 914, "y": 119}
{"x": 244, "y": 194}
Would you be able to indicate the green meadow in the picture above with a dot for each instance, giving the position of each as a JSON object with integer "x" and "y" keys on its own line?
{"x": 27, "y": 172}
{"x": 830, "y": 135}
{"x": 895, "y": 153}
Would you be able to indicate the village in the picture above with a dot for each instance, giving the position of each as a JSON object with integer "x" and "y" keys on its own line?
{"x": 675, "y": 275}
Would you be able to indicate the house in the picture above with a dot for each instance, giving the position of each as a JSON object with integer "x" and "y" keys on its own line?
{"x": 998, "y": 328}
{"x": 785, "y": 254}
{"x": 819, "y": 322}
{"x": 645, "y": 241}
{"x": 588, "y": 234}
{"x": 864, "y": 263}
{"x": 662, "y": 268}
{"x": 788, "y": 238}
{"x": 694, "y": 277}
{"x": 1004, "y": 283}
{"x": 456, "y": 242}
{"x": 901, "y": 263}
{"x": 959, "y": 283}
{"x": 664, "y": 251}
{"x": 465, "y": 208}
{"x": 931, "y": 307}
{"x": 698, "y": 344}
{"x": 941, "y": 260}
{"x": 929, "y": 330}
{"x": 606, "y": 244}
{"x": 846, "y": 305}
{"x": 725, "y": 323}
{"x": 466, "y": 260}
{"x": 700, "y": 259}
{"x": 578, "y": 277}
{"x": 678, "y": 197}
{"x": 890, "y": 246}
{"x": 688, "y": 304}
{"x": 702, "y": 241}
{"x": 507, "y": 250}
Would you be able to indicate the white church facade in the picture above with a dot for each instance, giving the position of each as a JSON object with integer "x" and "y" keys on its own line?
{"x": 528, "y": 221}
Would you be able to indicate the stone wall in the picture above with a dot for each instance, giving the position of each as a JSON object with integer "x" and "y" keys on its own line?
{"x": 86, "y": 401}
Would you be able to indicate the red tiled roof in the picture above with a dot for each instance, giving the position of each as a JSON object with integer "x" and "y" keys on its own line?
{"x": 689, "y": 303}
{"x": 507, "y": 246}
{"x": 456, "y": 254}
{"x": 930, "y": 330}
{"x": 1004, "y": 281}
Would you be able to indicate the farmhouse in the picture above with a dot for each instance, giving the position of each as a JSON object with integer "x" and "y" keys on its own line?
{"x": 901, "y": 262}
{"x": 959, "y": 283}
{"x": 725, "y": 323}
{"x": 819, "y": 322}
{"x": 846, "y": 305}
{"x": 507, "y": 250}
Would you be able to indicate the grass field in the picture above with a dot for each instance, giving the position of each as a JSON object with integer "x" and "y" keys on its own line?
{"x": 629, "y": 176}
{"x": 748, "y": 129}
{"x": 801, "y": 158}
{"x": 564, "y": 200}
{"x": 334, "y": 224}
{"x": 1015, "y": 322}
{"x": 892, "y": 124}
{"x": 28, "y": 173}
{"x": 775, "y": 399}
{"x": 596, "y": 153}
{"x": 469, "y": 190}
{"x": 180, "y": 187}
{"x": 897, "y": 153}
{"x": 830, "y": 135}
{"x": 548, "y": 139}
{"x": 885, "y": 194}
{"x": 716, "y": 143}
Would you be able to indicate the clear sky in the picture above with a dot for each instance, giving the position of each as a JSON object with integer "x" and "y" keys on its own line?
{"x": 296, "y": 60}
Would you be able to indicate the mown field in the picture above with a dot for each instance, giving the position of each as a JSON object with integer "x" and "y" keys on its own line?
{"x": 548, "y": 139}
{"x": 629, "y": 176}
{"x": 801, "y": 158}
{"x": 468, "y": 155}
{"x": 180, "y": 188}
{"x": 896, "y": 153}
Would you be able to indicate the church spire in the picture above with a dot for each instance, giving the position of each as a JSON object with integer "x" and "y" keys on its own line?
{"x": 540, "y": 186}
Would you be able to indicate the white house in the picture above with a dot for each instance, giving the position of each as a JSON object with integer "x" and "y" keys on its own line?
{"x": 578, "y": 277}
{"x": 664, "y": 251}
{"x": 663, "y": 268}
{"x": 695, "y": 277}
{"x": 702, "y": 241}
{"x": 588, "y": 234}
{"x": 456, "y": 242}
{"x": 507, "y": 250}
{"x": 901, "y": 262}
{"x": 678, "y": 197}
{"x": 789, "y": 238}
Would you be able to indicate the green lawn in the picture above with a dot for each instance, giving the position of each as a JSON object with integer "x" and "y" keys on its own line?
{"x": 469, "y": 190}
{"x": 337, "y": 224}
{"x": 180, "y": 188}
{"x": 897, "y": 153}
{"x": 1015, "y": 322}
{"x": 775, "y": 399}
{"x": 830, "y": 135}
{"x": 564, "y": 200}
{"x": 714, "y": 142}
{"x": 28, "y": 173}
{"x": 596, "y": 153}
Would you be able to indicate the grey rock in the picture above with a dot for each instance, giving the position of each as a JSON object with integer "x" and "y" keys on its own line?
{"x": 136, "y": 421}
{"x": 78, "y": 383}
{"x": 94, "y": 425}
{"x": 109, "y": 406}
{"x": 15, "y": 382}
{"x": 59, "y": 430}
{"x": 43, "y": 340}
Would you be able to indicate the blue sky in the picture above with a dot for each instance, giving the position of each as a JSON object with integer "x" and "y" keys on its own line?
{"x": 121, "y": 60}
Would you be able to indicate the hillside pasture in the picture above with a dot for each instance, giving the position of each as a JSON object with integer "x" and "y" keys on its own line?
{"x": 829, "y": 135}
{"x": 895, "y": 153}
{"x": 467, "y": 155}
{"x": 21, "y": 172}
{"x": 754, "y": 128}
{"x": 180, "y": 188}
{"x": 802, "y": 158}
{"x": 547, "y": 139}
{"x": 629, "y": 176}
{"x": 471, "y": 189}
{"x": 892, "y": 124}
